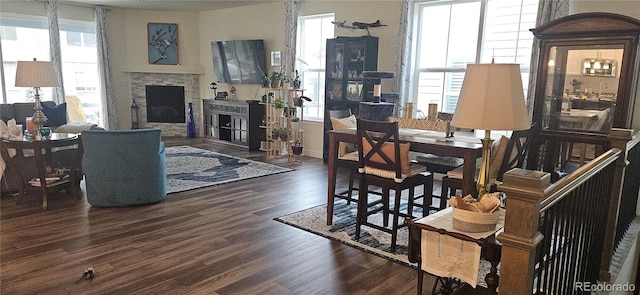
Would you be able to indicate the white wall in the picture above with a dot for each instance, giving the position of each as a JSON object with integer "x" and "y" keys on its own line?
{"x": 625, "y": 7}
{"x": 129, "y": 50}
{"x": 266, "y": 22}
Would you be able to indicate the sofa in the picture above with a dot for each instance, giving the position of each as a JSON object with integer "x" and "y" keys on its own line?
{"x": 124, "y": 167}
{"x": 56, "y": 116}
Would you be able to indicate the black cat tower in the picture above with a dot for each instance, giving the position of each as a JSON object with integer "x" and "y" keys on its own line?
{"x": 380, "y": 105}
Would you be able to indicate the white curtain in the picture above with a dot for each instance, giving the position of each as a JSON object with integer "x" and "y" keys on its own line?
{"x": 54, "y": 48}
{"x": 291, "y": 27}
{"x": 403, "y": 48}
{"x": 548, "y": 10}
{"x": 106, "y": 91}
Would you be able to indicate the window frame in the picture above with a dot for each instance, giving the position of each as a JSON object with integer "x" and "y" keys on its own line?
{"x": 448, "y": 70}
{"x": 319, "y": 71}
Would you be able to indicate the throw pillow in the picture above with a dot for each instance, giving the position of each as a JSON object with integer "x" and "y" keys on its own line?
{"x": 341, "y": 124}
{"x": 389, "y": 151}
{"x": 4, "y": 130}
{"x": 56, "y": 116}
{"x": 497, "y": 157}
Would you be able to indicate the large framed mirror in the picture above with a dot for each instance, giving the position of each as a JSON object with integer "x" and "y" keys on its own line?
{"x": 581, "y": 97}
{"x": 586, "y": 84}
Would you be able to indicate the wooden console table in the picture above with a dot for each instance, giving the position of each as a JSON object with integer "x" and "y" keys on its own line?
{"x": 236, "y": 122}
{"x": 42, "y": 151}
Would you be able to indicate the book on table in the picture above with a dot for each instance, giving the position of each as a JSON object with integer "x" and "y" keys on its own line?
{"x": 50, "y": 180}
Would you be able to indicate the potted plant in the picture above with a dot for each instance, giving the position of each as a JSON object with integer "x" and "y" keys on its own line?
{"x": 280, "y": 133}
{"x": 264, "y": 144}
{"x": 284, "y": 134}
{"x": 296, "y": 148}
{"x": 295, "y": 123}
{"x": 301, "y": 100}
{"x": 266, "y": 82}
{"x": 279, "y": 104}
{"x": 276, "y": 78}
{"x": 295, "y": 80}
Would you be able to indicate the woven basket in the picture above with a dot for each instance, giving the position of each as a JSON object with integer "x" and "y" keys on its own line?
{"x": 474, "y": 222}
{"x": 442, "y": 126}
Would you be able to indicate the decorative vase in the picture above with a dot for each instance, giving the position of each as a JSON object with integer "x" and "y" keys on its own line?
{"x": 191, "y": 123}
{"x": 297, "y": 150}
{"x": 275, "y": 83}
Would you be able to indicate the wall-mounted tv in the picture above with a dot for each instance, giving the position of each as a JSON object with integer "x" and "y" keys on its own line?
{"x": 239, "y": 61}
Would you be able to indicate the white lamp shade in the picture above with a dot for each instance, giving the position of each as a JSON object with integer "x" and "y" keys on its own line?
{"x": 36, "y": 74}
{"x": 492, "y": 98}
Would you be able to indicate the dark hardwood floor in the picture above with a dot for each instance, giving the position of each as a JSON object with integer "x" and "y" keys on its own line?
{"x": 215, "y": 240}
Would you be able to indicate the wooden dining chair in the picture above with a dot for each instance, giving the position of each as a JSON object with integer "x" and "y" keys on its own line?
{"x": 384, "y": 162}
{"x": 441, "y": 164}
{"x": 347, "y": 153}
{"x": 511, "y": 153}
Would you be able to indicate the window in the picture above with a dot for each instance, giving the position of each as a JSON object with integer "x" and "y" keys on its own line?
{"x": 81, "y": 39}
{"x": 79, "y": 59}
{"x": 8, "y": 33}
{"x": 313, "y": 32}
{"x": 74, "y": 38}
{"x": 455, "y": 33}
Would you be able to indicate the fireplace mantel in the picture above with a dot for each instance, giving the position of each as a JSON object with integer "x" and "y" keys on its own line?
{"x": 139, "y": 81}
{"x": 165, "y": 69}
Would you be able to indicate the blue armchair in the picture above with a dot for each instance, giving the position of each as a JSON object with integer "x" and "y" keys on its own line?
{"x": 124, "y": 167}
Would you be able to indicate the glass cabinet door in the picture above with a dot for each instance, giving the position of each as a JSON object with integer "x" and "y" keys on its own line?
{"x": 581, "y": 87}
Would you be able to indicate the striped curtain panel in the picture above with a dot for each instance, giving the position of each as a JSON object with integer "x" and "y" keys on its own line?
{"x": 291, "y": 29}
{"x": 403, "y": 48}
{"x": 54, "y": 48}
{"x": 104, "y": 69}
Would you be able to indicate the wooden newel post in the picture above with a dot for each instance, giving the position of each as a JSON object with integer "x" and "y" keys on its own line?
{"x": 524, "y": 190}
{"x": 619, "y": 139}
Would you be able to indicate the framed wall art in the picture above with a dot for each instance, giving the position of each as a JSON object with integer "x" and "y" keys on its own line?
{"x": 163, "y": 43}
{"x": 276, "y": 59}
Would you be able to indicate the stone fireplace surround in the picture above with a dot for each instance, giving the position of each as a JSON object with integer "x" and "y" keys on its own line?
{"x": 191, "y": 93}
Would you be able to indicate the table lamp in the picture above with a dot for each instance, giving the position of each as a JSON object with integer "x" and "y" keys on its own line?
{"x": 491, "y": 98}
{"x": 36, "y": 74}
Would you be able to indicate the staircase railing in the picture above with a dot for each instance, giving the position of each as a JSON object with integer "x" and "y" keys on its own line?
{"x": 555, "y": 235}
{"x": 629, "y": 143}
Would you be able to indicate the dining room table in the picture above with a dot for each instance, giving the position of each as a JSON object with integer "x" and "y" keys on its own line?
{"x": 582, "y": 119}
{"x": 469, "y": 148}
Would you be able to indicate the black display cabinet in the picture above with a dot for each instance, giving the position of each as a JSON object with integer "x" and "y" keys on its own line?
{"x": 347, "y": 58}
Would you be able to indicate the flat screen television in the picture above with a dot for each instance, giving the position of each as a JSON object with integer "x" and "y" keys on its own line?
{"x": 239, "y": 61}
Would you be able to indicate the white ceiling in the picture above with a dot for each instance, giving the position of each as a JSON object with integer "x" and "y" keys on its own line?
{"x": 172, "y": 5}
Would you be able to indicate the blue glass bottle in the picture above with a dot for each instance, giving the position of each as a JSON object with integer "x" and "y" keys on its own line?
{"x": 191, "y": 123}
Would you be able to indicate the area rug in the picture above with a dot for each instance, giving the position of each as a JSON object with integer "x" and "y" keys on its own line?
{"x": 373, "y": 241}
{"x": 191, "y": 168}
{"x": 343, "y": 229}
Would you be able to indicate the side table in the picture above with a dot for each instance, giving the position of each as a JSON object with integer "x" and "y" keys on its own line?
{"x": 490, "y": 250}
{"x": 49, "y": 179}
